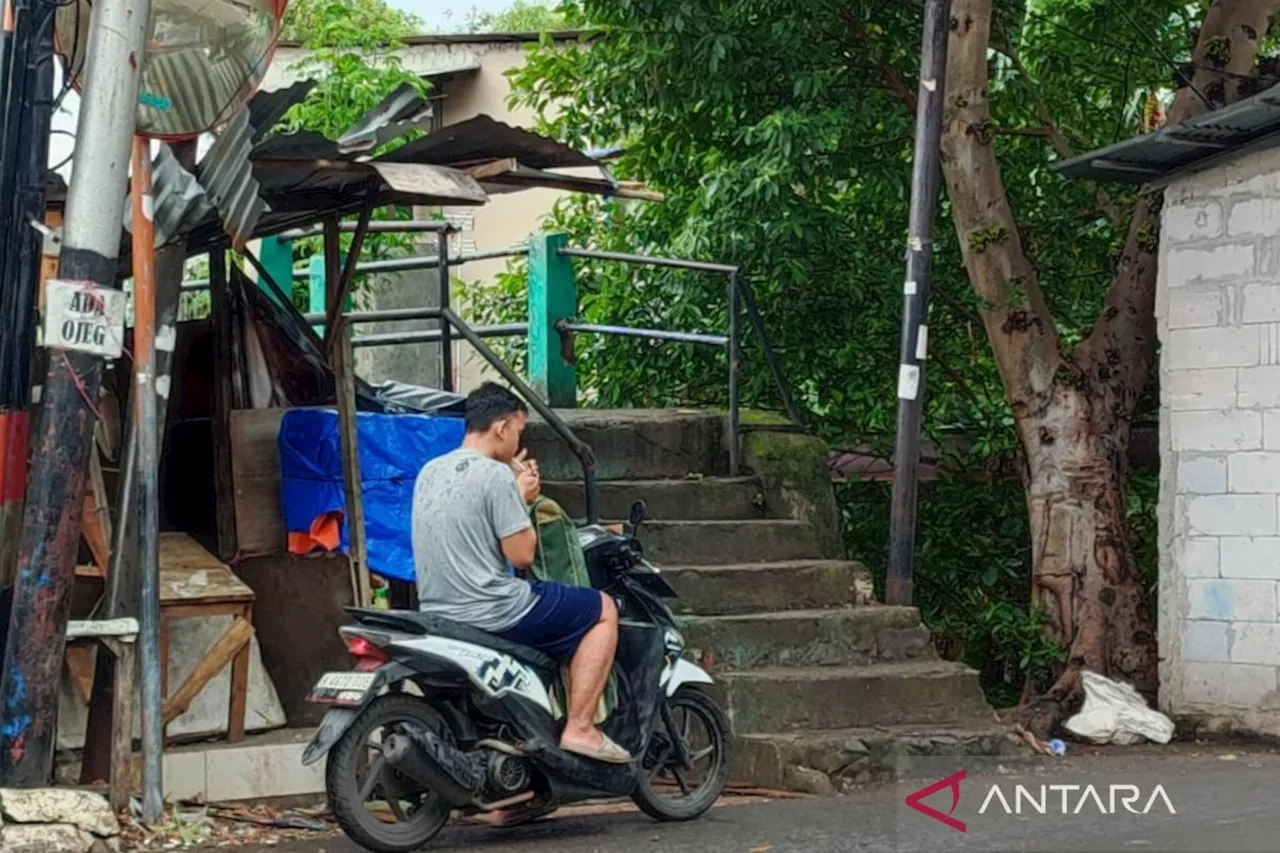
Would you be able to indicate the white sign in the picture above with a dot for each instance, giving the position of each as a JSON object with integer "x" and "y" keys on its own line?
{"x": 85, "y": 317}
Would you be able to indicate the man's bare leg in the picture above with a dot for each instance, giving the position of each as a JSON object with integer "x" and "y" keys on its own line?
{"x": 588, "y": 675}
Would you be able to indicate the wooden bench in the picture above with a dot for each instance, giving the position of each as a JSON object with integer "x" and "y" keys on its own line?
{"x": 195, "y": 584}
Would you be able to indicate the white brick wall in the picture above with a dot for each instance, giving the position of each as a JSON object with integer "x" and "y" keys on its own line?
{"x": 1218, "y": 308}
{"x": 1219, "y": 315}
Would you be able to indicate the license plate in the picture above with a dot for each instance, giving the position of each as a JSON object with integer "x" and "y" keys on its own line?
{"x": 343, "y": 688}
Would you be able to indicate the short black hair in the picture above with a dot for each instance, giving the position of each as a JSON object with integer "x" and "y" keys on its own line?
{"x": 490, "y": 403}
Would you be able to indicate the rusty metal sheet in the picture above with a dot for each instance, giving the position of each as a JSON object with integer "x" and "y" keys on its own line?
{"x": 398, "y": 113}
{"x": 1250, "y": 125}
{"x": 483, "y": 139}
{"x": 431, "y": 182}
{"x": 227, "y": 176}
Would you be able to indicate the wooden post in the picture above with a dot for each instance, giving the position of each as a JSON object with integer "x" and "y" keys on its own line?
{"x": 341, "y": 359}
{"x": 552, "y": 298}
{"x": 223, "y": 372}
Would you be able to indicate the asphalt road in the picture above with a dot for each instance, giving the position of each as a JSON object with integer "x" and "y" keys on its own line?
{"x": 1223, "y": 801}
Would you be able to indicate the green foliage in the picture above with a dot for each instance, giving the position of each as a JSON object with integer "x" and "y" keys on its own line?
{"x": 352, "y": 54}
{"x": 523, "y": 16}
{"x": 305, "y": 19}
{"x": 972, "y": 580}
{"x": 781, "y": 135}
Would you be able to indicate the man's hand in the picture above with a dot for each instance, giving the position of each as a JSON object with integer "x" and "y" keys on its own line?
{"x": 530, "y": 485}
{"x": 528, "y": 478}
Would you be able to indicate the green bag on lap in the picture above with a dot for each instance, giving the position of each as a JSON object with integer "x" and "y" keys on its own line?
{"x": 559, "y": 558}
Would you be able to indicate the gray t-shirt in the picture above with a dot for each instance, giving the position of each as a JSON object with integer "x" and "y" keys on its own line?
{"x": 464, "y": 503}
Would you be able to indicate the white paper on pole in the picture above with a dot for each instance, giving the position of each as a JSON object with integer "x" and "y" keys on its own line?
{"x": 908, "y": 381}
{"x": 922, "y": 343}
{"x": 84, "y": 317}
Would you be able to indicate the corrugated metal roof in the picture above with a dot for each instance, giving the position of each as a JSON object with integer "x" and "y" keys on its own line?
{"x": 1200, "y": 143}
{"x": 267, "y": 108}
{"x": 483, "y": 139}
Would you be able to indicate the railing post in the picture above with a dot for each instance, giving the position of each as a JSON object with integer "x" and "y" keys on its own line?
{"x": 553, "y": 297}
{"x": 315, "y": 290}
{"x": 735, "y": 357}
{"x": 276, "y": 257}
{"x": 316, "y": 303}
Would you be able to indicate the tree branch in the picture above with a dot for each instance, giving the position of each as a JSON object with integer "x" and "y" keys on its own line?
{"x": 1122, "y": 346}
{"x": 1059, "y": 140}
{"x": 1013, "y": 308}
{"x": 893, "y": 79}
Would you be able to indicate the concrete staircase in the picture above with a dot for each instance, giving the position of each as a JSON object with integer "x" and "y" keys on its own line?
{"x": 823, "y": 687}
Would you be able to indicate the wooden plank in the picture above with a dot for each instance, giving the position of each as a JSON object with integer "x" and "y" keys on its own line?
{"x": 342, "y": 359}
{"x": 80, "y": 666}
{"x": 191, "y": 575}
{"x": 228, "y": 646}
{"x": 239, "y": 704}
{"x": 255, "y": 474}
{"x": 224, "y": 368}
{"x": 122, "y": 722}
{"x": 97, "y": 516}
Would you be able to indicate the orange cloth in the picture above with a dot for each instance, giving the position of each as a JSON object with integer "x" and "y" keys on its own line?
{"x": 325, "y": 534}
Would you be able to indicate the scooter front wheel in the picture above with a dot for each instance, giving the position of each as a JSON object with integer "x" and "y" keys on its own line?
{"x": 686, "y": 765}
{"x": 372, "y": 803}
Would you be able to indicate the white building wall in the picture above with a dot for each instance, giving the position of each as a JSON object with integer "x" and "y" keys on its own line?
{"x": 1218, "y": 309}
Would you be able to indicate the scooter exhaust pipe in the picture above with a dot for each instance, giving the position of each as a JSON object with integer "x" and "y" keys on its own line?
{"x": 435, "y": 765}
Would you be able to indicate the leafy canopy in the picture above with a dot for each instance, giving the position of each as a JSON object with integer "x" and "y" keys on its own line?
{"x": 306, "y": 19}
{"x": 781, "y": 133}
{"x": 351, "y": 50}
{"x": 523, "y": 16}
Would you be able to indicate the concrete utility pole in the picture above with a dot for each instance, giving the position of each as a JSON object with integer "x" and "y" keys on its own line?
{"x": 55, "y": 498}
{"x": 899, "y": 583}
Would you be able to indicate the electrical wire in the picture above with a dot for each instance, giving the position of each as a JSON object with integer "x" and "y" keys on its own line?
{"x": 1143, "y": 33}
{"x": 70, "y": 156}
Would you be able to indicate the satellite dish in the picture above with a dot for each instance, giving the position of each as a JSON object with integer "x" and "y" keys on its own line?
{"x": 204, "y": 60}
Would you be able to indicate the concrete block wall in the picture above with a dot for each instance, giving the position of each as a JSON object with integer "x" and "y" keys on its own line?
{"x": 1218, "y": 310}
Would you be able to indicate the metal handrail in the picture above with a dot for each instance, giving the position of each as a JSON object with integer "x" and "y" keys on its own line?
{"x": 423, "y": 336}
{"x": 647, "y": 334}
{"x": 580, "y": 448}
{"x": 739, "y": 292}
{"x": 410, "y": 264}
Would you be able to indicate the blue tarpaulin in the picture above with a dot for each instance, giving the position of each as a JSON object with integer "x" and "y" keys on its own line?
{"x": 393, "y": 449}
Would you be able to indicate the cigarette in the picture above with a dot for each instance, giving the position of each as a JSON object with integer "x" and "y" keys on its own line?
{"x": 520, "y": 466}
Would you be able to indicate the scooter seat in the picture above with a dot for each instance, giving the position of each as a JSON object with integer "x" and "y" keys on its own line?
{"x": 416, "y": 622}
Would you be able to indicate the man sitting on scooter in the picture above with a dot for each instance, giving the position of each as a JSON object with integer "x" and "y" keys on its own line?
{"x": 470, "y": 520}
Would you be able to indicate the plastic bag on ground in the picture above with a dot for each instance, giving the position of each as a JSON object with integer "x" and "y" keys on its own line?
{"x": 1115, "y": 713}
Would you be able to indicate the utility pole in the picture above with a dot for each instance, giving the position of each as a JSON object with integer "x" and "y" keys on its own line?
{"x": 26, "y": 87}
{"x": 915, "y": 311}
{"x": 148, "y": 470}
{"x": 64, "y": 438}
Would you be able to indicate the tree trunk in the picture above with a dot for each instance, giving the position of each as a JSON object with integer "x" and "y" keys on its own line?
{"x": 1085, "y": 576}
{"x": 1073, "y": 411}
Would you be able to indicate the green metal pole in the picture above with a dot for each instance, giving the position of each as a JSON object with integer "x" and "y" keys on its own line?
{"x": 553, "y": 297}
{"x": 276, "y": 257}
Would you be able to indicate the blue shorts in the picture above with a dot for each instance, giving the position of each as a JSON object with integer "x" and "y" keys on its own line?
{"x": 560, "y": 617}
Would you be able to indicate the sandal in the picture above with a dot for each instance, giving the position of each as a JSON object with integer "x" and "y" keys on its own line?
{"x": 608, "y": 751}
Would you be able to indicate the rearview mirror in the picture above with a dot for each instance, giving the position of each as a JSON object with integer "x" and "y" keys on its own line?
{"x": 637, "y": 516}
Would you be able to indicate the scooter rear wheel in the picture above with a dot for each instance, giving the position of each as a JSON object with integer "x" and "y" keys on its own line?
{"x": 356, "y": 774}
{"x": 665, "y": 790}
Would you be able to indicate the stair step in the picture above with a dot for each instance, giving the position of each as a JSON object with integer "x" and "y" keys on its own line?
{"x": 809, "y": 638}
{"x": 703, "y": 543}
{"x": 756, "y": 587}
{"x": 886, "y": 694}
{"x": 706, "y": 498}
{"x": 831, "y": 761}
{"x": 633, "y": 444}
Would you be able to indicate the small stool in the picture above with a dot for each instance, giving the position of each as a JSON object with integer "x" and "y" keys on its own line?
{"x": 119, "y": 637}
